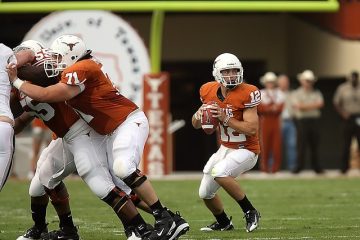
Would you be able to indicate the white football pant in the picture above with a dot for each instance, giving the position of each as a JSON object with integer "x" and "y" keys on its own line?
{"x": 6, "y": 151}
{"x": 126, "y": 144}
{"x": 79, "y": 151}
{"x": 226, "y": 162}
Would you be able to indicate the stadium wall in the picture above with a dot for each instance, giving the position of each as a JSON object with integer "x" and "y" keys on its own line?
{"x": 285, "y": 42}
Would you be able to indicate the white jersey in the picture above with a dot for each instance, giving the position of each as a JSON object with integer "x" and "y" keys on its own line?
{"x": 6, "y": 56}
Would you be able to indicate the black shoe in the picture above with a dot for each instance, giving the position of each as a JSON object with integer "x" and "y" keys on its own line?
{"x": 181, "y": 226}
{"x": 139, "y": 232}
{"x": 34, "y": 233}
{"x": 217, "y": 227}
{"x": 132, "y": 234}
{"x": 164, "y": 226}
{"x": 64, "y": 233}
{"x": 252, "y": 218}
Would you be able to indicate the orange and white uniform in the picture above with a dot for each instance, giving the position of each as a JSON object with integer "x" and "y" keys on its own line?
{"x": 109, "y": 113}
{"x": 238, "y": 152}
{"x": 78, "y": 148}
{"x": 100, "y": 103}
{"x": 75, "y": 149}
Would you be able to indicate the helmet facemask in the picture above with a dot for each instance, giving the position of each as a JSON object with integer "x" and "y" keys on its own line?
{"x": 53, "y": 65}
{"x": 230, "y": 81}
{"x": 65, "y": 51}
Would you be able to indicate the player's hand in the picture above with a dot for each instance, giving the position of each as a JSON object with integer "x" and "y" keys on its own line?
{"x": 199, "y": 112}
{"x": 217, "y": 112}
{"x": 12, "y": 71}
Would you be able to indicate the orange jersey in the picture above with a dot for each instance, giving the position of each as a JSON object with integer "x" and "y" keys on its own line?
{"x": 58, "y": 117}
{"x": 100, "y": 104}
{"x": 241, "y": 97}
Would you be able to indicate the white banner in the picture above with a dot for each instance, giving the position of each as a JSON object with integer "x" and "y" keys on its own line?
{"x": 113, "y": 41}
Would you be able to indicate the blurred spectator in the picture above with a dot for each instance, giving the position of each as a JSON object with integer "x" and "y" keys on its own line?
{"x": 307, "y": 104}
{"x": 347, "y": 103}
{"x": 288, "y": 128}
{"x": 41, "y": 135}
{"x": 270, "y": 110}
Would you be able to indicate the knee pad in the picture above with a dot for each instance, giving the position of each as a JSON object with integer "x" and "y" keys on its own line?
{"x": 36, "y": 189}
{"x": 208, "y": 187}
{"x": 116, "y": 199}
{"x": 134, "y": 198}
{"x": 122, "y": 169}
{"x": 58, "y": 195}
{"x": 204, "y": 194}
{"x": 135, "y": 179}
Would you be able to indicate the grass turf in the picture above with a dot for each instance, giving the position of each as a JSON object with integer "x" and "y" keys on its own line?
{"x": 291, "y": 209}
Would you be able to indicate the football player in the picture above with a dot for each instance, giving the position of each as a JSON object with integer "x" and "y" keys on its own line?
{"x": 79, "y": 149}
{"x": 234, "y": 103}
{"x": 6, "y": 117}
{"x": 86, "y": 88}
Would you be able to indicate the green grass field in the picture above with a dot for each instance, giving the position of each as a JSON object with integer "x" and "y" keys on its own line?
{"x": 291, "y": 209}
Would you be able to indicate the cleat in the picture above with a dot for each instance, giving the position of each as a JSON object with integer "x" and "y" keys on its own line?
{"x": 252, "y": 218}
{"x": 181, "y": 226}
{"x": 132, "y": 234}
{"x": 164, "y": 226}
{"x": 139, "y": 232}
{"x": 34, "y": 233}
{"x": 217, "y": 227}
{"x": 64, "y": 233}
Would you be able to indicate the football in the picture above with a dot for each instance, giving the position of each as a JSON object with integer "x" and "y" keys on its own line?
{"x": 208, "y": 122}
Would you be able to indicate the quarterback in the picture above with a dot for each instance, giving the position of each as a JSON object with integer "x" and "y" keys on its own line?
{"x": 234, "y": 103}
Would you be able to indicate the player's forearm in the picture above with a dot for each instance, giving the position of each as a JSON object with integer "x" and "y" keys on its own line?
{"x": 247, "y": 128}
{"x": 15, "y": 106}
{"x": 37, "y": 93}
{"x": 23, "y": 57}
{"x": 22, "y": 121}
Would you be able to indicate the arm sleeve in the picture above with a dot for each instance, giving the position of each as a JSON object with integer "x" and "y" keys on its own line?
{"x": 252, "y": 97}
{"x": 36, "y": 75}
{"x": 15, "y": 105}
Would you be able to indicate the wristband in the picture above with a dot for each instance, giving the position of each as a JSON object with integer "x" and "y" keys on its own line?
{"x": 226, "y": 120}
{"x": 17, "y": 83}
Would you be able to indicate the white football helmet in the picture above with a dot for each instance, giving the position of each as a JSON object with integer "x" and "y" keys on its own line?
{"x": 65, "y": 51}
{"x": 228, "y": 61}
{"x": 33, "y": 45}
